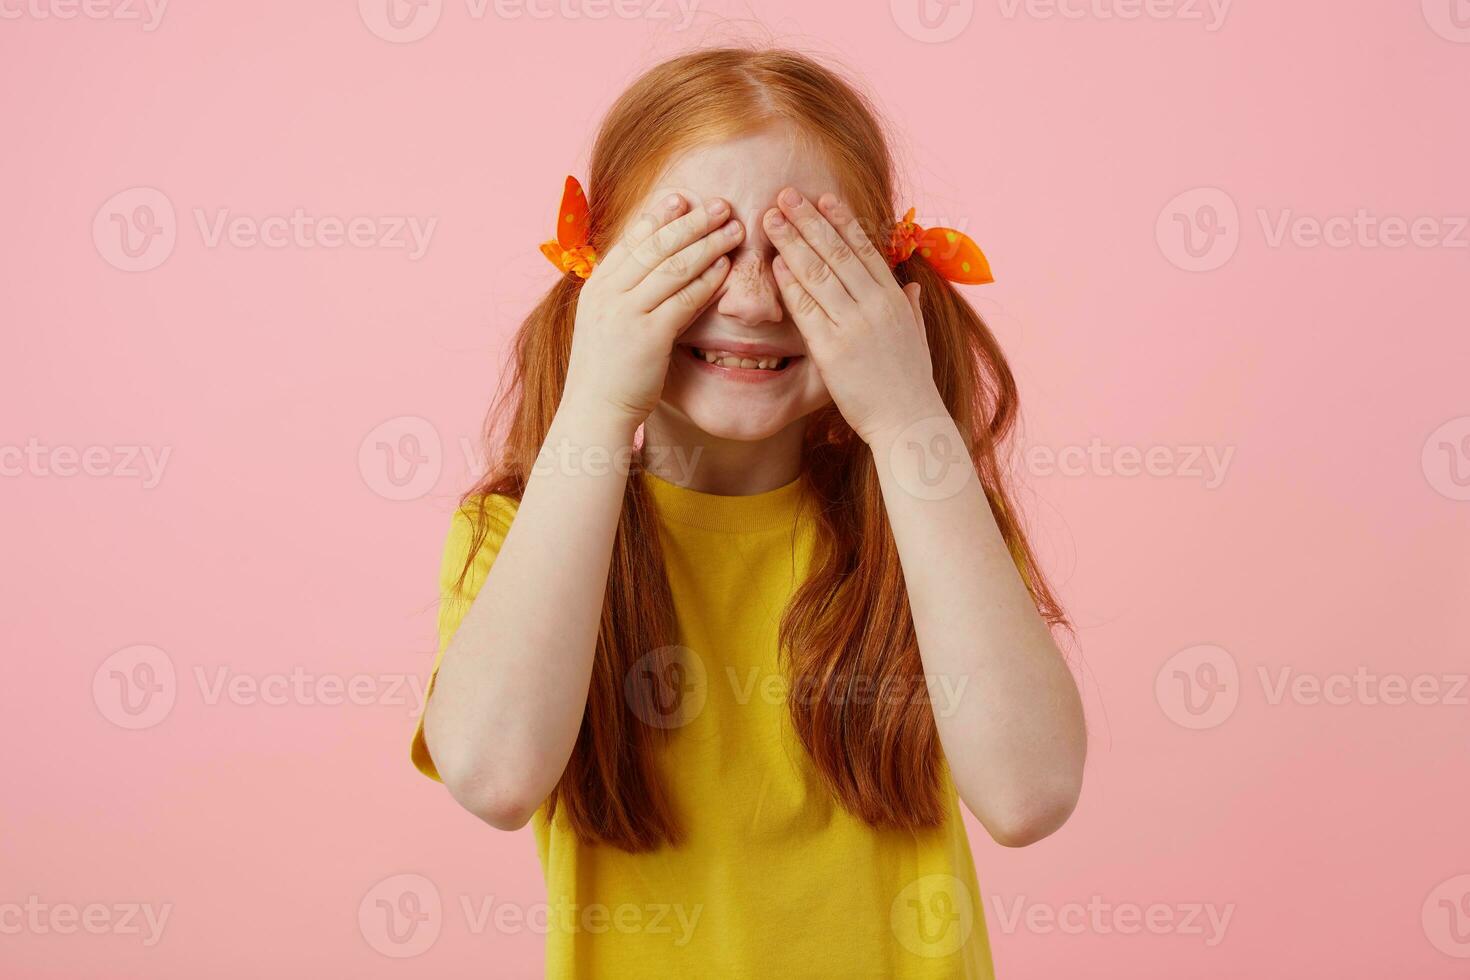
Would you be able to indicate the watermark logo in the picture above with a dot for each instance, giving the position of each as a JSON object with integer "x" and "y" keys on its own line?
{"x": 1446, "y": 917}
{"x": 929, "y": 460}
{"x": 135, "y": 688}
{"x": 401, "y": 21}
{"x": 401, "y": 916}
{"x": 1198, "y": 687}
{"x": 1199, "y": 230}
{"x": 135, "y": 229}
{"x": 401, "y": 459}
{"x": 1450, "y": 19}
{"x": 667, "y": 687}
{"x": 932, "y": 21}
{"x": 933, "y": 916}
{"x": 1446, "y": 459}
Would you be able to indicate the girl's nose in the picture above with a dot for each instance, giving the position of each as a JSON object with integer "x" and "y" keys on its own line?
{"x": 750, "y": 294}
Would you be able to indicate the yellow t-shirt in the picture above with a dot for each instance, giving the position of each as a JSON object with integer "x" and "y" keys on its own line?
{"x": 775, "y": 878}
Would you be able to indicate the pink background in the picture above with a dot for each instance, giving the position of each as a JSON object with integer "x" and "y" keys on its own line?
{"x": 1335, "y": 376}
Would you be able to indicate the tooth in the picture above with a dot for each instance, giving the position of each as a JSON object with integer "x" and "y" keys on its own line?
{"x": 710, "y": 358}
{"x": 746, "y": 362}
{"x": 769, "y": 363}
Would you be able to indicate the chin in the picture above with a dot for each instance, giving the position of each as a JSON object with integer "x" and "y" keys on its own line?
{"x": 729, "y": 400}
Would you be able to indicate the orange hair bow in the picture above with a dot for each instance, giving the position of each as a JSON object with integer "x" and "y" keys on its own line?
{"x": 953, "y": 254}
{"x": 569, "y": 251}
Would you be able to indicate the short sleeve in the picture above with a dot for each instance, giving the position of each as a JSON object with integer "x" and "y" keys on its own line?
{"x": 456, "y": 593}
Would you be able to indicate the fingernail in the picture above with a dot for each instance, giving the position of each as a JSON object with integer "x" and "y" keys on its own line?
{"x": 734, "y": 228}
{"x": 672, "y": 201}
{"x": 776, "y": 219}
{"x": 829, "y": 202}
{"x": 717, "y": 207}
{"x": 790, "y": 198}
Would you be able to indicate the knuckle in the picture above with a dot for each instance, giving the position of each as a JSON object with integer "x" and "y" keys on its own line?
{"x": 687, "y": 298}
{"x": 645, "y": 257}
{"x": 841, "y": 253}
{"x": 817, "y": 271}
{"x": 645, "y": 226}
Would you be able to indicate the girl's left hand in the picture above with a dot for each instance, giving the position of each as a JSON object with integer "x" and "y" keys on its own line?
{"x": 865, "y": 334}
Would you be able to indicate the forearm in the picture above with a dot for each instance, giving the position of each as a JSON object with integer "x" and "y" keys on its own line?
{"x": 1006, "y": 706}
{"x": 512, "y": 687}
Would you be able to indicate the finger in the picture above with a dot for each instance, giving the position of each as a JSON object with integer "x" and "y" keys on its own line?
{"x": 830, "y": 245}
{"x": 813, "y": 322}
{"x": 637, "y": 231}
{"x": 911, "y": 291}
{"x": 810, "y": 269}
{"x": 675, "y": 272}
{"x": 668, "y": 240}
{"x": 679, "y": 310}
{"x": 851, "y": 229}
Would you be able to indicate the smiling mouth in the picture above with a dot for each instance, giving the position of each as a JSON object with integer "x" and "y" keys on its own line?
{"x": 735, "y": 359}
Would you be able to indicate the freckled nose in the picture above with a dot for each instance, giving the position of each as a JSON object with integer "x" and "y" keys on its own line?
{"x": 750, "y": 293}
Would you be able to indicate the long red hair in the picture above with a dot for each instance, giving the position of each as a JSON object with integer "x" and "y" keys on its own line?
{"x": 848, "y": 627}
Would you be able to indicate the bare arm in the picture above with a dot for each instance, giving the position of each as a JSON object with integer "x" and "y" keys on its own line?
{"x": 512, "y": 685}
{"x": 1014, "y": 736}
{"x": 1007, "y": 708}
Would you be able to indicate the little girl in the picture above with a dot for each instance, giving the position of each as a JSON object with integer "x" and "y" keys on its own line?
{"x": 742, "y": 612}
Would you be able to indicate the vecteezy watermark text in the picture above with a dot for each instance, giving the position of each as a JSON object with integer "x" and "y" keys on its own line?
{"x": 406, "y": 21}
{"x": 137, "y": 229}
{"x": 403, "y": 915}
{"x": 1099, "y": 917}
{"x": 1210, "y": 13}
{"x": 121, "y": 462}
{"x": 1208, "y": 464}
{"x": 137, "y": 687}
{"x": 147, "y": 12}
{"x": 40, "y": 918}
{"x": 1200, "y": 230}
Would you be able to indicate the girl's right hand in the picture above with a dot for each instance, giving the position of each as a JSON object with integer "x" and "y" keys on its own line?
{"x": 647, "y": 289}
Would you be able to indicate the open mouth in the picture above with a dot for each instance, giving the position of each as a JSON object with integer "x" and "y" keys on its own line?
{"x": 740, "y": 360}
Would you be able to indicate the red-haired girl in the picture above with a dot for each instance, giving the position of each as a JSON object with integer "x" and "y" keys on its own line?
{"x": 742, "y": 612}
